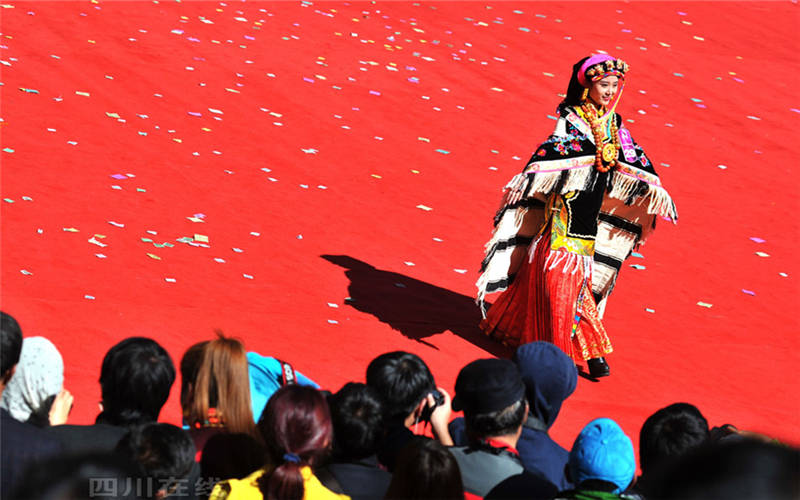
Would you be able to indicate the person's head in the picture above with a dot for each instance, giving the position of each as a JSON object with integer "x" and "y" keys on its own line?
{"x": 297, "y": 430}
{"x": 669, "y": 433}
{"x": 164, "y": 455}
{"x": 426, "y": 469}
{"x": 222, "y": 383}
{"x": 491, "y": 394}
{"x": 357, "y": 416}
{"x": 39, "y": 377}
{"x": 549, "y": 376}
{"x": 731, "y": 468}
{"x": 10, "y": 347}
{"x": 231, "y": 455}
{"x": 602, "y": 457}
{"x": 589, "y": 71}
{"x": 135, "y": 380}
{"x": 79, "y": 477}
{"x": 190, "y": 364}
{"x": 402, "y": 380}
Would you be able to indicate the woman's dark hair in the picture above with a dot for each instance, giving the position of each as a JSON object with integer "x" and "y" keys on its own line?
{"x": 296, "y": 426}
{"x": 402, "y": 380}
{"x": 575, "y": 89}
{"x": 426, "y": 469}
{"x": 357, "y": 416}
{"x": 135, "y": 380}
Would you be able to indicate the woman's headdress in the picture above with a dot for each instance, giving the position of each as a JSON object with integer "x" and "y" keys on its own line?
{"x": 600, "y": 66}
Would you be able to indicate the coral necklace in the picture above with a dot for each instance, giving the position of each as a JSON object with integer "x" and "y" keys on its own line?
{"x": 606, "y": 152}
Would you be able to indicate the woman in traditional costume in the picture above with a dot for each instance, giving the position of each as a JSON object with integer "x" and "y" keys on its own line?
{"x": 587, "y": 198}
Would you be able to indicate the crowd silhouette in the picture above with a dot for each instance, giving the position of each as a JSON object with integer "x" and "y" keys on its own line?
{"x": 255, "y": 427}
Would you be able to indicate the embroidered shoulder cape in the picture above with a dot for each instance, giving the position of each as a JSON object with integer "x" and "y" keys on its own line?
{"x": 564, "y": 163}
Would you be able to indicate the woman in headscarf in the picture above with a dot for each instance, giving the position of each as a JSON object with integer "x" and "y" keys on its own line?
{"x": 586, "y": 199}
{"x": 35, "y": 393}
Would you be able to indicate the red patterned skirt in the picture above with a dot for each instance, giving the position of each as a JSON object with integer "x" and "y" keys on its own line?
{"x": 550, "y": 300}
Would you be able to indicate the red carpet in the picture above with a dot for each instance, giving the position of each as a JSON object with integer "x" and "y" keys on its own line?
{"x": 333, "y": 150}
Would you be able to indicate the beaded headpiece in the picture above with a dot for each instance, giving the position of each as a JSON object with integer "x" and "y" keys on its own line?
{"x": 600, "y": 66}
{"x": 596, "y": 68}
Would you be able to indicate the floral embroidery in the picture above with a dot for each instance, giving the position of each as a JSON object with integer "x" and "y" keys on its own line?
{"x": 564, "y": 144}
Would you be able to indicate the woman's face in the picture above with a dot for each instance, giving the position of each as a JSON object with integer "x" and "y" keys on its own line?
{"x": 602, "y": 91}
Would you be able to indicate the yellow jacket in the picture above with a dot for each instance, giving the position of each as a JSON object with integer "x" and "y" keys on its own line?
{"x": 247, "y": 488}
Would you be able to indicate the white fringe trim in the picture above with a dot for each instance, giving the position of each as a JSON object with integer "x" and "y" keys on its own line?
{"x": 659, "y": 201}
{"x": 546, "y": 182}
{"x": 515, "y": 181}
{"x": 483, "y": 280}
{"x": 572, "y": 262}
{"x": 577, "y": 180}
{"x": 623, "y": 186}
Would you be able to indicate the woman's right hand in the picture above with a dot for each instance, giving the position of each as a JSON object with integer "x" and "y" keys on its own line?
{"x": 62, "y": 405}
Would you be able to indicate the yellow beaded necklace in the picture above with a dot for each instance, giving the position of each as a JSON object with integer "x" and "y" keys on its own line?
{"x": 606, "y": 152}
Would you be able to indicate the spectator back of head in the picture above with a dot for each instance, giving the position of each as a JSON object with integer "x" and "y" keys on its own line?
{"x": 402, "y": 380}
{"x": 491, "y": 394}
{"x": 550, "y": 377}
{"x": 80, "y": 477}
{"x": 297, "y": 430}
{"x": 357, "y": 416}
{"x": 731, "y": 468}
{"x": 10, "y": 344}
{"x": 602, "y": 453}
{"x": 426, "y": 469}
{"x": 164, "y": 454}
{"x": 135, "y": 379}
{"x": 670, "y": 432}
{"x": 222, "y": 383}
{"x": 231, "y": 455}
{"x": 39, "y": 377}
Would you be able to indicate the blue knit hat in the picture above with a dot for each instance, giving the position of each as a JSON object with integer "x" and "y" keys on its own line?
{"x": 602, "y": 451}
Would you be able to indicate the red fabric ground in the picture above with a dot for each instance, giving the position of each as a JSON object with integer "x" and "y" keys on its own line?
{"x": 712, "y": 85}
